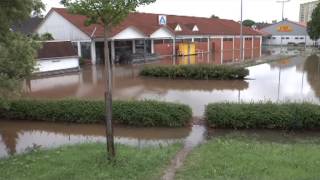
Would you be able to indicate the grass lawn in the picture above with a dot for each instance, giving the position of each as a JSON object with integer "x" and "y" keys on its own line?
{"x": 88, "y": 161}
{"x": 238, "y": 158}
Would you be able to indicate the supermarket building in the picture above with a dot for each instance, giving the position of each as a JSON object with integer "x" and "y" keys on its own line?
{"x": 148, "y": 35}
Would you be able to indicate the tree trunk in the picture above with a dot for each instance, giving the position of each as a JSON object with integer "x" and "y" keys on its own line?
{"x": 108, "y": 98}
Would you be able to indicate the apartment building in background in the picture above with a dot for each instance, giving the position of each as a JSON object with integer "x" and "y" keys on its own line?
{"x": 306, "y": 10}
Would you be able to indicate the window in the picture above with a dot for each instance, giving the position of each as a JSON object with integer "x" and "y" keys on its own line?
{"x": 274, "y": 38}
{"x": 86, "y": 50}
{"x": 301, "y": 37}
{"x": 269, "y": 38}
{"x": 296, "y": 38}
{"x": 227, "y": 39}
{"x": 158, "y": 41}
{"x": 178, "y": 28}
{"x": 75, "y": 46}
{"x": 200, "y": 39}
{"x": 282, "y": 37}
{"x": 287, "y": 37}
{"x": 195, "y": 28}
{"x": 248, "y": 39}
{"x": 168, "y": 41}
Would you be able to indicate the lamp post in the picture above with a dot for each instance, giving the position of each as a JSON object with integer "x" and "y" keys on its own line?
{"x": 283, "y": 2}
{"x": 241, "y": 34}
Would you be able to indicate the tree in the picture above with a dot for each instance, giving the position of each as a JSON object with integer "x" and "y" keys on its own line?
{"x": 42, "y": 37}
{"x": 248, "y": 23}
{"x": 214, "y": 16}
{"x": 17, "y": 52}
{"x": 313, "y": 26}
{"x": 108, "y": 14}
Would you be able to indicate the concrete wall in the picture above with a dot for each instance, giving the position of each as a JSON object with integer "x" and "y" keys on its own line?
{"x": 56, "y": 64}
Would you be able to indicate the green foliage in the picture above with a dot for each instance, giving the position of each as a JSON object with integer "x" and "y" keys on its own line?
{"x": 264, "y": 115}
{"x": 214, "y": 16}
{"x": 245, "y": 158}
{"x": 313, "y": 27}
{"x": 203, "y": 72}
{"x": 248, "y": 23}
{"x": 17, "y": 52}
{"x": 42, "y": 37}
{"x": 87, "y": 161}
{"x": 136, "y": 113}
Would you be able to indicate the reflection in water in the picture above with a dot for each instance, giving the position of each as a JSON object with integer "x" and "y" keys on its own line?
{"x": 288, "y": 79}
{"x": 312, "y": 68}
{"x": 19, "y": 136}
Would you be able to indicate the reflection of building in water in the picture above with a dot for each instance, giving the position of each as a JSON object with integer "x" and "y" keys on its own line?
{"x": 312, "y": 68}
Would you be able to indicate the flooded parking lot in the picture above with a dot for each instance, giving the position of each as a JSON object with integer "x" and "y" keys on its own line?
{"x": 289, "y": 79}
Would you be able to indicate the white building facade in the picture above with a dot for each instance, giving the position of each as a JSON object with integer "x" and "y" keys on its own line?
{"x": 286, "y": 33}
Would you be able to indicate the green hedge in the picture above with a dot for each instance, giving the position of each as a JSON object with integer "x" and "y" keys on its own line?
{"x": 136, "y": 113}
{"x": 201, "y": 72}
{"x": 264, "y": 115}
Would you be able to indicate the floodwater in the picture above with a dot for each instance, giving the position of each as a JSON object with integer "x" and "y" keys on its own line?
{"x": 22, "y": 136}
{"x": 289, "y": 79}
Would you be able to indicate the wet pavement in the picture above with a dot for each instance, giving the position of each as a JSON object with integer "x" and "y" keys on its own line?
{"x": 290, "y": 79}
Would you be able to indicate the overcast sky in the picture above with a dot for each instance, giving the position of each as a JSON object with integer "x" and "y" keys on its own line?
{"x": 257, "y": 10}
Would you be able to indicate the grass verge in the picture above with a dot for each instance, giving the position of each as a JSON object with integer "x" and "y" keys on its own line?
{"x": 246, "y": 158}
{"x": 88, "y": 161}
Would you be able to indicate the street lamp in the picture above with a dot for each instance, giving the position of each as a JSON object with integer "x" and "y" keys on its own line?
{"x": 241, "y": 34}
{"x": 283, "y": 2}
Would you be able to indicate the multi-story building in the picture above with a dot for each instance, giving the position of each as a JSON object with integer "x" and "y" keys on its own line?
{"x": 306, "y": 10}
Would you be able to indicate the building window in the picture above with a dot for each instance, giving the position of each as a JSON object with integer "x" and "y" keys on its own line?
{"x": 283, "y": 38}
{"x": 227, "y": 39}
{"x": 200, "y": 39}
{"x": 296, "y": 38}
{"x": 168, "y": 41}
{"x": 75, "y": 46}
{"x": 158, "y": 41}
{"x": 287, "y": 37}
{"x": 248, "y": 39}
{"x": 301, "y": 37}
{"x": 86, "y": 50}
{"x": 274, "y": 38}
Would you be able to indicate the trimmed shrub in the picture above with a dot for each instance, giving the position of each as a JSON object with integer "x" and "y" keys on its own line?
{"x": 136, "y": 113}
{"x": 263, "y": 115}
{"x": 199, "y": 72}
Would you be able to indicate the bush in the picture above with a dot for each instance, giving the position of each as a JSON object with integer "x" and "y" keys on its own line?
{"x": 136, "y": 113}
{"x": 203, "y": 72}
{"x": 264, "y": 115}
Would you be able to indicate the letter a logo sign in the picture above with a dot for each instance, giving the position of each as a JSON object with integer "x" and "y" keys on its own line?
{"x": 162, "y": 20}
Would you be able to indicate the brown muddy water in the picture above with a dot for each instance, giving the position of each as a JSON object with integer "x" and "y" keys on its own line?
{"x": 294, "y": 79}
{"x": 22, "y": 136}
{"x": 290, "y": 79}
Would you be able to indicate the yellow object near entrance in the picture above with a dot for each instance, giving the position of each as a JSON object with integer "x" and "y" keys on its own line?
{"x": 186, "y": 49}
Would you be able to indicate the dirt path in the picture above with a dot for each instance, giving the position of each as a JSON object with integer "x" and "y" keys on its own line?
{"x": 195, "y": 138}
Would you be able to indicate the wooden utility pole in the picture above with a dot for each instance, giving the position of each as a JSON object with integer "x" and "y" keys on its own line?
{"x": 108, "y": 97}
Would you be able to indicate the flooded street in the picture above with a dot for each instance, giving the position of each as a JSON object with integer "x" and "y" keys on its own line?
{"x": 290, "y": 79}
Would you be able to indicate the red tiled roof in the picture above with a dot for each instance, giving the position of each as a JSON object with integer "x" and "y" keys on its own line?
{"x": 148, "y": 24}
{"x": 56, "y": 50}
